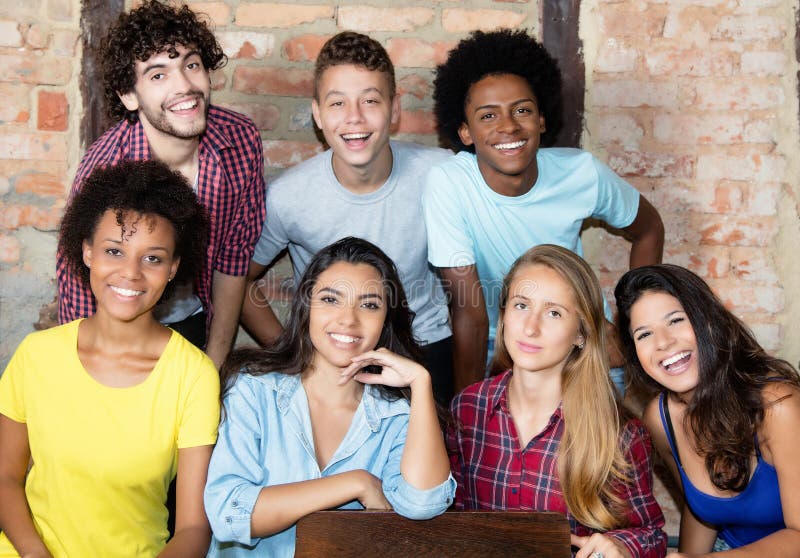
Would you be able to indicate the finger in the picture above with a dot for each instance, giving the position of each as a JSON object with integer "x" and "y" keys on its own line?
{"x": 575, "y": 540}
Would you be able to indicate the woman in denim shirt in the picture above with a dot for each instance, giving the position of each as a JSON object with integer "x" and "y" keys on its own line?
{"x": 308, "y": 425}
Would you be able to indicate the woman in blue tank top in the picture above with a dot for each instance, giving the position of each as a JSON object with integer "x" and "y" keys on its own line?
{"x": 724, "y": 415}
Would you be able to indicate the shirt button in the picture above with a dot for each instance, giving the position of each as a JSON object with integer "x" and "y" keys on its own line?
{"x": 229, "y": 520}
{"x": 513, "y": 491}
{"x": 235, "y": 503}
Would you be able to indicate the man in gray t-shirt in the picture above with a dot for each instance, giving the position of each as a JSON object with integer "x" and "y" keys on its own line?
{"x": 364, "y": 186}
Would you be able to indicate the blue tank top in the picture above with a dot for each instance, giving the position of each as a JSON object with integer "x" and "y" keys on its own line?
{"x": 749, "y": 516}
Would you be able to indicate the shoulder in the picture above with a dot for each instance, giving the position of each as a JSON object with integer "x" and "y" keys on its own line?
{"x": 480, "y": 394}
{"x": 52, "y": 339}
{"x": 297, "y": 176}
{"x": 781, "y": 406}
{"x": 106, "y": 147}
{"x": 226, "y": 118}
{"x": 417, "y": 152}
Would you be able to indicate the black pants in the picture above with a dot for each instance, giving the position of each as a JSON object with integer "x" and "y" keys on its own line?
{"x": 439, "y": 362}
{"x": 193, "y": 329}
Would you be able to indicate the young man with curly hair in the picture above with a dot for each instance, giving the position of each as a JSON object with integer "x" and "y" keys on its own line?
{"x": 497, "y": 99}
{"x": 156, "y": 61}
{"x": 365, "y": 185}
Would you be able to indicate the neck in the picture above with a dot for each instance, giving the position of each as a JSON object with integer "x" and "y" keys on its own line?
{"x": 179, "y": 154}
{"x": 118, "y": 336}
{"x": 322, "y": 382}
{"x": 510, "y": 185}
{"x": 367, "y": 178}
{"x": 536, "y": 389}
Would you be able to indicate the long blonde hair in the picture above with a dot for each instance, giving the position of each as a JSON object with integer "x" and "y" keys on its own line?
{"x": 590, "y": 461}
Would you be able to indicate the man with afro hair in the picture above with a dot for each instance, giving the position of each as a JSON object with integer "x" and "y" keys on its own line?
{"x": 497, "y": 99}
{"x": 156, "y": 61}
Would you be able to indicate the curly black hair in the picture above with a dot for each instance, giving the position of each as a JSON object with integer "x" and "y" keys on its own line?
{"x": 151, "y": 28}
{"x": 143, "y": 188}
{"x": 485, "y": 54}
{"x": 349, "y": 47}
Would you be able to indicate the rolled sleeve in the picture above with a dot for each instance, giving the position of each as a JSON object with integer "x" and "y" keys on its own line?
{"x": 236, "y": 474}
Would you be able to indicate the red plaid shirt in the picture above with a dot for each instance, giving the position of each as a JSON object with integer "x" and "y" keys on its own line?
{"x": 230, "y": 184}
{"x": 493, "y": 473}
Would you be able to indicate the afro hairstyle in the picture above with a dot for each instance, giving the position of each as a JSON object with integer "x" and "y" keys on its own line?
{"x": 494, "y": 53}
{"x": 139, "y": 189}
{"x": 151, "y": 28}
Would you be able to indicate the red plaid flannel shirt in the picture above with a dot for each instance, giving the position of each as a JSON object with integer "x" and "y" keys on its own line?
{"x": 493, "y": 473}
{"x": 230, "y": 185}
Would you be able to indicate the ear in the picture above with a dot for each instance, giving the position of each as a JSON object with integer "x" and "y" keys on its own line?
{"x": 173, "y": 269}
{"x": 542, "y": 127}
{"x": 130, "y": 100}
{"x": 87, "y": 254}
{"x": 315, "y": 113}
{"x": 396, "y": 110}
{"x": 580, "y": 341}
{"x": 463, "y": 133}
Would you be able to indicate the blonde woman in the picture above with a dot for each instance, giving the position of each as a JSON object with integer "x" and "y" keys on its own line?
{"x": 544, "y": 434}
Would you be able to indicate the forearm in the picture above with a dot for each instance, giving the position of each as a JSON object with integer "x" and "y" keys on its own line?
{"x": 257, "y": 315}
{"x": 16, "y": 521}
{"x": 227, "y": 293}
{"x": 281, "y": 506}
{"x": 425, "y": 463}
{"x": 188, "y": 542}
{"x": 470, "y": 335}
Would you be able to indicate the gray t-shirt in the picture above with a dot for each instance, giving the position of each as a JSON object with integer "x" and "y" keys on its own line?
{"x": 308, "y": 209}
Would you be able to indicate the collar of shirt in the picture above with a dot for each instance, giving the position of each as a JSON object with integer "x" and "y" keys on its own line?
{"x": 498, "y": 402}
{"x": 376, "y": 407}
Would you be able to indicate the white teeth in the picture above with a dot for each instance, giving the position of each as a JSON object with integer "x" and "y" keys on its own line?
{"x": 675, "y": 358}
{"x": 344, "y": 338}
{"x": 184, "y": 105}
{"x": 512, "y": 145}
{"x": 125, "y": 292}
{"x": 354, "y": 136}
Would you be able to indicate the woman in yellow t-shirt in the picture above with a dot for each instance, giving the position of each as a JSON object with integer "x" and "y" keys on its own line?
{"x": 109, "y": 409}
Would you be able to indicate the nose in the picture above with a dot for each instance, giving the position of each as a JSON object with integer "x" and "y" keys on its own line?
{"x": 507, "y": 123}
{"x": 532, "y": 324}
{"x": 182, "y": 82}
{"x": 347, "y": 315}
{"x": 354, "y": 113}
{"x": 131, "y": 269}
{"x": 664, "y": 338}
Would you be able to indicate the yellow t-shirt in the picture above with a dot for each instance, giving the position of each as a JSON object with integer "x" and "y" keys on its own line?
{"x": 103, "y": 457}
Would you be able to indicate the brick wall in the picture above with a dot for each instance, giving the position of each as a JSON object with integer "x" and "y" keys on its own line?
{"x": 693, "y": 101}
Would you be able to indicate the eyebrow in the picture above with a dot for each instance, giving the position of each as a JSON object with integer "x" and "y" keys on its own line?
{"x": 514, "y": 103}
{"x": 367, "y": 90}
{"x": 156, "y": 65}
{"x": 666, "y": 316}
{"x": 364, "y": 296}
{"x": 118, "y": 241}
{"x": 547, "y": 303}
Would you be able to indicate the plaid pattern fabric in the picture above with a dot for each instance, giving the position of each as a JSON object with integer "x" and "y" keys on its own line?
{"x": 230, "y": 184}
{"x": 493, "y": 473}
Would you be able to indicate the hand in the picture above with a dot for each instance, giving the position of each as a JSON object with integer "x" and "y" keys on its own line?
{"x": 396, "y": 371}
{"x": 609, "y": 547}
{"x": 372, "y": 497}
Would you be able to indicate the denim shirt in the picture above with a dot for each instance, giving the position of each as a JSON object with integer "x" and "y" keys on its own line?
{"x": 266, "y": 439}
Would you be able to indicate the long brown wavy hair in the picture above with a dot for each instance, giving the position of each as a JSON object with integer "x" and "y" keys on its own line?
{"x": 590, "y": 462}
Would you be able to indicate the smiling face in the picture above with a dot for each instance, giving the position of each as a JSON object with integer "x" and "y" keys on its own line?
{"x": 348, "y": 310}
{"x": 129, "y": 266}
{"x": 541, "y": 325}
{"x": 504, "y": 125}
{"x": 171, "y": 94}
{"x": 356, "y": 112}
{"x": 665, "y": 341}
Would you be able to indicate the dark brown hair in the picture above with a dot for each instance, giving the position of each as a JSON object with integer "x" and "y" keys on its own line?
{"x": 349, "y": 47}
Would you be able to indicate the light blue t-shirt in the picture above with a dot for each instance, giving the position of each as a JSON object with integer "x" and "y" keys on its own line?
{"x": 469, "y": 223}
{"x": 266, "y": 439}
{"x": 308, "y": 209}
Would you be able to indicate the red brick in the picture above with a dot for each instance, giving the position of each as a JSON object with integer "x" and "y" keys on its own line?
{"x": 265, "y": 115}
{"x": 371, "y": 19}
{"x": 16, "y": 102}
{"x": 52, "y": 113}
{"x": 281, "y": 15}
{"x": 5, "y": 186}
{"x": 749, "y": 28}
{"x": 620, "y": 129}
{"x": 40, "y": 184}
{"x": 768, "y": 335}
{"x": 16, "y": 216}
{"x": 304, "y": 48}
{"x": 218, "y": 13}
{"x": 764, "y": 63}
{"x": 698, "y": 129}
{"x": 637, "y": 163}
{"x": 672, "y": 62}
{"x": 273, "y": 81}
{"x": 763, "y": 199}
{"x": 28, "y": 68}
{"x": 733, "y": 231}
{"x": 412, "y": 84}
{"x": 60, "y": 9}
{"x": 738, "y": 96}
{"x": 629, "y": 93}
{"x": 10, "y": 34}
{"x": 64, "y": 42}
{"x": 747, "y": 298}
{"x": 37, "y": 37}
{"x": 247, "y": 44}
{"x": 281, "y": 154}
{"x": 615, "y": 56}
{"x": 709, "y": 262}
{"x": 218, "y": 80}
{"x": 761, "y": 130}
{"x": 691, "y": 24}
{"x": 753, "y": 166}
{"x": 417, "y": 122}
{"x": 9, "y": 249}
{"x": 620, "y": 20}
{"x": 41, "y": 145}
{"x": 456, "y": 20}
{"x": 416, "y": 53}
